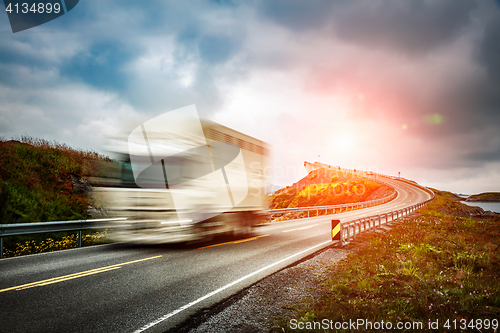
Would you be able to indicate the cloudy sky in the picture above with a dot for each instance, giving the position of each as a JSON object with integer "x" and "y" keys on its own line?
{"x": 393, "y": 86}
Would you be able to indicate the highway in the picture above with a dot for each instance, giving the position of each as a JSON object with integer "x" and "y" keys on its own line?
{"x": 118, "y": 288}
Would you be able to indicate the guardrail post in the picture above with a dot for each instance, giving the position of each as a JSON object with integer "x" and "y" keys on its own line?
{"x": 1, "y": 247}
{"x": 79, "y": 238}
{"x": 342, "y": 235}
{"x": 308, "y": 212}
{"x": 297, "y": 215}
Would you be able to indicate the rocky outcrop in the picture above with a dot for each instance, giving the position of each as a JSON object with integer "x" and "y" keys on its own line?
{"x": 80, "y": 185}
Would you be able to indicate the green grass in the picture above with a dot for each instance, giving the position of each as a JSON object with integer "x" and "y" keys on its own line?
{"x": 36, "y": 186}
{"x": 437, "y": 265}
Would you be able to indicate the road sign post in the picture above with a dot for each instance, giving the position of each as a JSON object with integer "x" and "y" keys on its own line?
{"x": 336, "y": 232}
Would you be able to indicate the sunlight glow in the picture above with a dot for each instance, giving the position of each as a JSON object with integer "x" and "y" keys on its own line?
{"x": 344, "y": 141}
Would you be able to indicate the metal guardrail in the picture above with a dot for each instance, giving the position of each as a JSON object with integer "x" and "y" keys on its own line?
{"x": 334, "y": 208}
{"x": 20, "y": 229}
{"x": 349, "y": 230}
{"x": 352, "y": 227}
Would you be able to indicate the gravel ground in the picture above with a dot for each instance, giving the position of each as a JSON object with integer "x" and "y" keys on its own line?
{"x": 255, "y": 308}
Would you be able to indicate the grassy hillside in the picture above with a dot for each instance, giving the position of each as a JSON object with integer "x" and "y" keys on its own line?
{"x": 441, "y": 264}
{"x": 41, "y": 181}
{"x": 36, "y": 182}
{"x": 449, "y": 195}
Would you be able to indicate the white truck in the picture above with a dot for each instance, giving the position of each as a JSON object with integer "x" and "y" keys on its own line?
{"x": 187, "y": 184}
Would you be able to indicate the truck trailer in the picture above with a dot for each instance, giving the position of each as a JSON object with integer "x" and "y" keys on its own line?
{"x": 184, "y": 180}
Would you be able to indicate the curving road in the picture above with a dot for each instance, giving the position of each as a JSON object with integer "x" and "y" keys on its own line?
{"x": 115, "y": 288}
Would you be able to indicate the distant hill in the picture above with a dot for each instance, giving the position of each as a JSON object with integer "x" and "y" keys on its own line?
{"x": 44, "y": 181}
{"x": 485, "y": 197}
{"x": 450, "y": 195}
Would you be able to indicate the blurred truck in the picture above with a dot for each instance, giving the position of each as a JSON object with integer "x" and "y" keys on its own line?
{"x": 187, "y": 182}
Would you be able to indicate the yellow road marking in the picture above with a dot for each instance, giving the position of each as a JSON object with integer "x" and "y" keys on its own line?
{"x": 74, "y": 275}
{"x": 310, "y": 226}
{"x": 234, "y": 242}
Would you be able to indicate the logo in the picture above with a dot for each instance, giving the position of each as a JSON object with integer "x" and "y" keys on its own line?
{"x": 171, "y": 152}
{"x": 26, "y": 14}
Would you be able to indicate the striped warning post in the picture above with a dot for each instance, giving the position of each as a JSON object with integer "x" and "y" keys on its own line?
{"x": 336, "y": 230}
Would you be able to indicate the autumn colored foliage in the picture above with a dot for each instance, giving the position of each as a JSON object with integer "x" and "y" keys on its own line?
{"x": 327, "y": 187}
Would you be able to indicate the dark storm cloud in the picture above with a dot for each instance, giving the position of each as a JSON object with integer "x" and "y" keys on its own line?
{"x": 411, "y": 27}
{"x": 297, "y": 15}
{"x": 489, "y": 57}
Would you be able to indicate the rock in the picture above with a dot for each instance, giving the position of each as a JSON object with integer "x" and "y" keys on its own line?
{"x": 80, "y": 185}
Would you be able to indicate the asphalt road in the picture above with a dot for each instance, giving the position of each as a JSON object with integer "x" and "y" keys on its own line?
{"x": 117, "y": 288}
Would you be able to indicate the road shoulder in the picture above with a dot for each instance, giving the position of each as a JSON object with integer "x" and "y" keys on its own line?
{"x": 255, "y": 308}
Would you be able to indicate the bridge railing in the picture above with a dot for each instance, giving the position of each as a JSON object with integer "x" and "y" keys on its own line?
{"x": 333, "y": 208}
{"x": 21, "y": 229}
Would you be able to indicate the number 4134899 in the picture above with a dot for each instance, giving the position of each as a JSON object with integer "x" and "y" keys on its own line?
{"x": 471, "y": 324}
{"x": 35, "y": 8}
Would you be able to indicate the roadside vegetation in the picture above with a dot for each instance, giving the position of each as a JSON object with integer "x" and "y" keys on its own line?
{"x": 40, "y": 181}
{"x": 440, "y": 264}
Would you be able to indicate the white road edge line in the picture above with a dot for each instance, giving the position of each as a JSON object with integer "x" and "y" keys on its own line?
{"x": 173, "y": 313}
